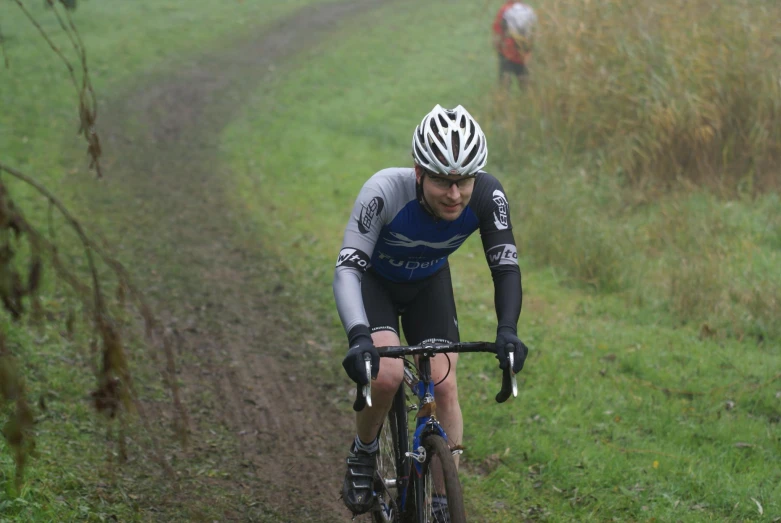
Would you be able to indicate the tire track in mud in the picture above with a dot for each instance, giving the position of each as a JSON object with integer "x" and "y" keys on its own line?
{"x": 166, "y": 195}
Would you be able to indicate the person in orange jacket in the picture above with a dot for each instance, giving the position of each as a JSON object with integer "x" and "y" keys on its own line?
{"x": 512, "y": 32}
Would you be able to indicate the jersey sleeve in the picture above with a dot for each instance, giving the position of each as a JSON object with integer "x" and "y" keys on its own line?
{"x": 490, "y": 204}
{"x": 368, "y": 216}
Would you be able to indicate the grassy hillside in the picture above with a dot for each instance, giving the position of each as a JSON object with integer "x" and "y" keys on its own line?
{"x": 651, "y": 304}
{"x": 71, "y": 476}
{"x": 654, "y": 143}
{"x": 652, "y": 390}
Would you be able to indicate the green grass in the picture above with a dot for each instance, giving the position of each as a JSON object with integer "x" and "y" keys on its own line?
{"x": 71, "y": 478}
{"x": 123, "y": 41}
{"x": 651, "y": 392}
{"x": 652, "y": 388}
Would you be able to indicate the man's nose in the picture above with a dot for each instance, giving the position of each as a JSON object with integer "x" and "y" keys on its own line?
{"x": 454, "y": 192}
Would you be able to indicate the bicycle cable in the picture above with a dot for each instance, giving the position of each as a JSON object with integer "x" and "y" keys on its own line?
{"x": 417, "y": 370}
{"x": 449, "y": 366}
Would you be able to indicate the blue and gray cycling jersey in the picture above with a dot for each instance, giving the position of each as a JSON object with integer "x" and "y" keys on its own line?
{"x": 392, "y": 233}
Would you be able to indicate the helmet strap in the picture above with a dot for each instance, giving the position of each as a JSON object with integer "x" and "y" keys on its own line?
{"x": 422, "y": 198}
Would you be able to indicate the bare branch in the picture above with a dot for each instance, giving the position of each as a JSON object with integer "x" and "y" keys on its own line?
{"x": 88, "y": 112}
{"x": 45, "y": 36}
{"x": 115, "y": 385}
{"x": 88, "y": 246}
{"x": 115, "y": 388}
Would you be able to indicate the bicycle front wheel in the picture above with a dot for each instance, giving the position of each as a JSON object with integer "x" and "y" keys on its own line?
{"x": 392, "y": 463}
{"x": 438, "y": 491}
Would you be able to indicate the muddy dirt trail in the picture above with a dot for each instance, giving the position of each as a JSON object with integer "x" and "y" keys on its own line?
{"x": 265, "y": 435}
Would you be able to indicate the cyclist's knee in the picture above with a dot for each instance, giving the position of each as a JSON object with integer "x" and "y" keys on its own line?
{"x": 443, "y": 371}
{"x": 385, "y": 338}
{"x": 391, "y": 370}
{"x": 447, "y": 391}
{"x": 389, "y": 378}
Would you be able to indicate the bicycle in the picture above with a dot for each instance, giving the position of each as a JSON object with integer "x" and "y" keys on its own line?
{"x": 405, "y": 487}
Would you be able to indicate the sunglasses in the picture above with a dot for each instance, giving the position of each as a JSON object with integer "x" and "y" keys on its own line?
{"x": 440, "y": 182}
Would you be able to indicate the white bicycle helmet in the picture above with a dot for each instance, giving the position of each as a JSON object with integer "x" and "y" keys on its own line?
{"x": 449, "y": 141}
{"x": 520, "y": 19}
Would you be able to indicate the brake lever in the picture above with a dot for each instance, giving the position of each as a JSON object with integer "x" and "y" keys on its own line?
{"x": 367, "y": 389}
{"x": 512, "y": 375}
{"x": 509, "y": 383}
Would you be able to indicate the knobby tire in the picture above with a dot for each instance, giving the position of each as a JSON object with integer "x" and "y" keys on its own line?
{"x": 392, "y": 460}
{"x": 437, "y": 449}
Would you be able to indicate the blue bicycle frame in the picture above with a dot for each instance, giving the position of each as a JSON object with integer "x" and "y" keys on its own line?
{"x": 426, "y": 420}
{"x": 423, "y": 387}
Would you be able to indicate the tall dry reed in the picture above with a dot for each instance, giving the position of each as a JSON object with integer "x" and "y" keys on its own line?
{"x": 658, "y": 91}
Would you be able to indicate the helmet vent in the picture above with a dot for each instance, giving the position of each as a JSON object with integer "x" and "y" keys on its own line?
{"x": 470, "y": 139}
{"x": 473, "y": 152}
{"x": 419, "y": 156}
{"x": 437, "y": 152}
{"x": 456, "y": 144}
{"x": 437, "y": 134}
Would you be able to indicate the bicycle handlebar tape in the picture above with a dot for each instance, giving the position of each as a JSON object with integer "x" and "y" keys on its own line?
{"x": 360, "y": 401}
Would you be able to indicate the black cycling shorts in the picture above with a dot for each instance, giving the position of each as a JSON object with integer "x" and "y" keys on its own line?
{"x": 507, "y": 66}
{"x": 427, "y": 308}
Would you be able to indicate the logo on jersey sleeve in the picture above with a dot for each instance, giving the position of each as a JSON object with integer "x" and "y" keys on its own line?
{"x": 369, "y": 212}
{"x": 505, "y": 254}
{"x": 500, "y": 215}
{"x": 353, "y": 258}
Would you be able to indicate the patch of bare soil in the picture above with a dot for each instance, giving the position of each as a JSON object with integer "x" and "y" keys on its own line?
{"x": 267, "y": 439}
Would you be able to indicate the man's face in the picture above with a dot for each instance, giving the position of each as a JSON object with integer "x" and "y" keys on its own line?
{"x": 446, "y": 198}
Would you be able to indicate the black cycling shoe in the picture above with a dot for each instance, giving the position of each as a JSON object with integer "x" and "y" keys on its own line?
{"x": 358, "y": 486}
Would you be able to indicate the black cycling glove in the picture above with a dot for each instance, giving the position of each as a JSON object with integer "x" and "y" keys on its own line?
{"x": 354, "y": 363}
{"x": 506, "y": 341}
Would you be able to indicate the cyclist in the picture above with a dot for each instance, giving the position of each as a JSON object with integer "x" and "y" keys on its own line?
{"x": 394, "y": 263}
{"x": 512, "y": 30}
